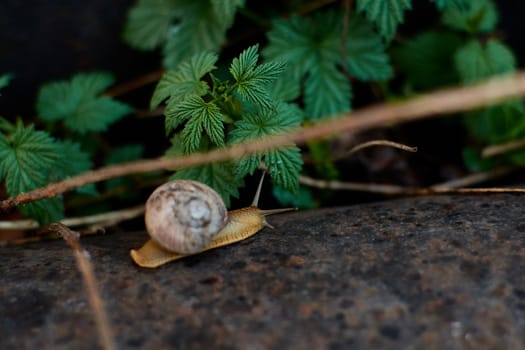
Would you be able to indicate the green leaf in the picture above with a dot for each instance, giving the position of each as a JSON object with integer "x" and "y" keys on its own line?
{"x": 97, "y": 114}
{"x": 302, "y": 199}
{"x": 5, "y": 79}
{"x": 285, "y": 88}
{"x": 475, "y": 61}
{"x": 312, "y": 50}
{"x": 218, "y": 176}
{"x": 73, "y": 161}
{"x": 366, "y": 57}
{"x": 499, "y": 123}
{"x": 91, "y": 84}
{"x": 304, "y": 42}
{"x": 386, "y": 14}
{"x": 264, "y": 122}
{"x": 327, "y": 92}
{"x": 251, "y": 80}
{"x": 284, "y": 166}
{"x": 478, "y": 17}
{"x": 260, "y": 123}
{"x": 201, "y": 26}
{"x": 226, "y": 8}
{"x": 26, "y": 160}
{"x": 425, "y": 60}
{"x": 148, "y": 22}
{"x": 77, "y": 102}
{"x": 201, "y": 116}
{"x": 474, "y": 162}
{"x": 185, "y": 79}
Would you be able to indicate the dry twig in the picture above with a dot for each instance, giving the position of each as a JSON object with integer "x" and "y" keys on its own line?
{"x": 502, "y": 148}
{"x": 86, "y": 269}
{"x": 102, "y": 220}
{"x": 437, "y": 103}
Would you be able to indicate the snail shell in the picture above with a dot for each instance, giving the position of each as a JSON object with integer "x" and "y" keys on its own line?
{"x": 184, "y": 216}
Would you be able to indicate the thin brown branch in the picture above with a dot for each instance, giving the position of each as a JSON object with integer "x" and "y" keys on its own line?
{"x": 477, "y": 190}
{"x": 437, "y": 103}
{"x": 372, "y": 143}
{"x": 135, "y": 84}
{"x": 502, "y": 148}
{"x": 352, "y": 186}
{"x": 146, "y": 113}
{"x": 475, "y": 178}
{"x": 102, "y": 220}
{"x": 86, "y": 270}
{"x": 388, "y": 189}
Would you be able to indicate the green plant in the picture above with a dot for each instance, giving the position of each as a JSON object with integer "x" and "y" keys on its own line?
{"x": 311, "y": 66}
{"x": 212, "y": 112}
{"x": 31, "y": 158}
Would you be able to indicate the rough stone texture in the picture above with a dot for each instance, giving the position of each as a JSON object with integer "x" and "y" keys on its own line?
{"x": 420, "y": 273}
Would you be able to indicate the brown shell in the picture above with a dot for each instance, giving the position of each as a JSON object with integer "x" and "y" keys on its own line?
{"x": 183, "y": 216}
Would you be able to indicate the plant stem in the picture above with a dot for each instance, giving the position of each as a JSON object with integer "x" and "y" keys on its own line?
{"x": 426, "y": 106}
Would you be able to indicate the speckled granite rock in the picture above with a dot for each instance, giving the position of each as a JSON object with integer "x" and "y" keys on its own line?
{"x": 421, "y": 273}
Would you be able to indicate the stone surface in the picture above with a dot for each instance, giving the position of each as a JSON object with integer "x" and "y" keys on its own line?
{"x": 417, "y": 273}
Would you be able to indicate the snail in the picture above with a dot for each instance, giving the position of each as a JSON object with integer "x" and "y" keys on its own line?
{"x": 185, "y": 217}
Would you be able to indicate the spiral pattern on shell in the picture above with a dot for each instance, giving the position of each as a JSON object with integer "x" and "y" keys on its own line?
{"x": 183, "y": 216}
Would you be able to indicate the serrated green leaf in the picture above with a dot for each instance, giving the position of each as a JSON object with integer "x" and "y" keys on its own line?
{"x": 264, "y": 122}
{"x": 226, "y": 8}
{"x": 245, "y": 63}
{"x": 386, "y": 14}
{"x": 366, "y": 57}
{"x": 303, "y": 42}
{"x": 73, "y": 161}
{"x": 200, "y": 116}
{"x": 218, "y": 176}
{"x": 185, "y": 79}
{"x": 479, "y": 16}
{"x": 286, "y": 88}
{"x": 44, "y": 211}
{"x": 56, "y": 101}
{"x": 260, "y": 123}
{"x": 425, "y": 60}
{"x": 78, "y": 104}
{"x": 201, "y": 26}
{"x": 91, "y": 84}
{"x": 26, "y": 160}
{"x": 284, "y": 166}
{"x": 312, "y": 50}
{"x": 476, "y": 62}
{"x": 148, "y": 22}
{"x": 327, "y": 92}
{"x": 251, "y": 80}
{"x": 97, "y": 114}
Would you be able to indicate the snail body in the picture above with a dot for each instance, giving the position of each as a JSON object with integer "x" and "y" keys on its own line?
{"x": 186, "y": 217}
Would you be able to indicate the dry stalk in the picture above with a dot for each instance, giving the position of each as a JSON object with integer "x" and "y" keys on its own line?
{"x": 448, "y": 187}
{"x": 86, "y": 269}
{"x": 426, "y": 106}
{"x": 101, "y": 220}
{"x": 502, "y": 148}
